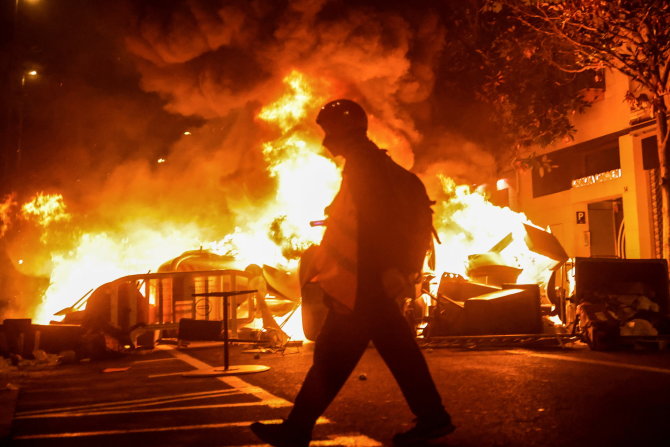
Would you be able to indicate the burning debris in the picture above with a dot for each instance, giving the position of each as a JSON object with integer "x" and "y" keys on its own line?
{"x": 244, "y": 184}
{"x": 124, "y": 308}
{"x": 250, "y": 160}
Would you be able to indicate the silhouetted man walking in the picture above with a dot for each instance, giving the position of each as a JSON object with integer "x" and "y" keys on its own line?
{"x": 358, "y": 265}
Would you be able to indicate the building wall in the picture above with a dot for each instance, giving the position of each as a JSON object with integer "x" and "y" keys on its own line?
{"x": 559, "y": 211}
{"x": 609, "y": 114}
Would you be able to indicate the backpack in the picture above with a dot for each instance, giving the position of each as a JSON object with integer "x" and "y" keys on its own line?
{"x": 413, "y": 219}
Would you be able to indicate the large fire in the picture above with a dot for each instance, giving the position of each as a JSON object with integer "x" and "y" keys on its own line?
{"x": 306, "y": 181}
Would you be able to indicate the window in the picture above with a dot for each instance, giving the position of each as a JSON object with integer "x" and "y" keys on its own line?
{"x": 581, "y": 160}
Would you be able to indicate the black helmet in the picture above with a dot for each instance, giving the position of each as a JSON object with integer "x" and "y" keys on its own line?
{"x": 342, "y": 115}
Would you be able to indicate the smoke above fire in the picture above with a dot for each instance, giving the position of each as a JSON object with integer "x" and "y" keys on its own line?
{"x": 213, "y": 60}
{"x": 218, "y": 66}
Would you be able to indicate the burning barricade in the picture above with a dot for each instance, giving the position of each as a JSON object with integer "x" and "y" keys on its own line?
{"x": 491, "y": 301}
{"x": 482, "y": 279}
{"x": 135, "y": 311}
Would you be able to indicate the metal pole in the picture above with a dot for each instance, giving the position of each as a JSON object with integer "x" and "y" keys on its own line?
{"x": 227, "y": 370}
{"x": 225, "y": 332}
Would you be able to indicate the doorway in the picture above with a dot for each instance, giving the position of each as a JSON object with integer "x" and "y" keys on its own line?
{"x": 606, "y": 228}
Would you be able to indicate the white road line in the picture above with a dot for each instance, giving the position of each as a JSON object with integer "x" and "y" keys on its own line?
{"x": 135, "y": 402}
{"x": 347, "y": 441}
{"x": 232, "y": 381}
{"x": 71, "y": 414}
{"x": 353, "y": 441}
{"x": 82, "y": 434}
{"x": 238, "y": 386}
{"x": 592, "y": 361}
{"x": 166, "y": 359}
{"x": 268, "y": 398}
{"x": 178, "y": 373}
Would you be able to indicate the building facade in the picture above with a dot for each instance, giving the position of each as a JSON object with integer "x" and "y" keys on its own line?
{"x": 597, "y": 193}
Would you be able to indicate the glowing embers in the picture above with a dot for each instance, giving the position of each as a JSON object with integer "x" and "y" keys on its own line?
{"x": 597, "y": 178}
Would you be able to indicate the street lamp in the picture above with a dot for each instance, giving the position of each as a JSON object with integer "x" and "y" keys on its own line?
{"x": 13, "y": 81}
{"x": 26, "y": 75}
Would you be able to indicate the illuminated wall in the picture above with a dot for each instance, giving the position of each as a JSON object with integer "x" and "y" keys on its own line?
{"x": 590, "y": 170}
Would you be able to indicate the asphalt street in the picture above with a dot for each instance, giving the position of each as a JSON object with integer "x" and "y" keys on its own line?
{"x": 511, "y": 396}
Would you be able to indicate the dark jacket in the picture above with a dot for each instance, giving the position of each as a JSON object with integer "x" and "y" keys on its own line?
{"x": 368, "y": 175}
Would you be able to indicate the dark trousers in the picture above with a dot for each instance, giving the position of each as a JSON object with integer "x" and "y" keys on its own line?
{"x": 340, "y": 345}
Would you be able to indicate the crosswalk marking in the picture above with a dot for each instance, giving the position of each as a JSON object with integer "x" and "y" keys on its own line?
{"x": 131, "y": 403}
{"x": 144, "y": 430}
{"x": 345, "y": 441}
{"x": 178, "y": 373}
{"x": 139, "y": 410}
{"x": 165, "y": 359}
{"x": 591, "y": 361}
{"x": 232, "y": 381}
{"x": 236, "y": 386}
{"x": 269, "y": 399}
{"x": 353, "y": 441}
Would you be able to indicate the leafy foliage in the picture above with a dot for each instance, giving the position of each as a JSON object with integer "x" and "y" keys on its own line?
{"x": 631, "y": 36}
{"x": 508, "y": 68}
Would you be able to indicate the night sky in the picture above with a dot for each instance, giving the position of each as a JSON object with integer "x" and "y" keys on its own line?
{"x": 84, "y": 112}
{"x": 121, "y": 81}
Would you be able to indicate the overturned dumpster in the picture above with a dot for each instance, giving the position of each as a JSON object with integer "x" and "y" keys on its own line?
{"x": 621, "y": 302}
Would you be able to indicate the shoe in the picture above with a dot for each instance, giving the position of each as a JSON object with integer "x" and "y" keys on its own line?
{"x": 424, "y": 431}
{"x": 280, "y": 435}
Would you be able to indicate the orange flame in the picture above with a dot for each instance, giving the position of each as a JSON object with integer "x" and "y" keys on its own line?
{"x": 274, "y": 235}
{"x": 291, "y": 108}
{"x": 45, "y": 209}
{"x": 306, "y": 182}
{"x": 467, "y": 223}
{"x": 6, "y": 207}
{"x": 100, "y": 257}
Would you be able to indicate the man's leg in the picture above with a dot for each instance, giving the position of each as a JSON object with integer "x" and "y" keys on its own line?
{"x": 338, "y": 348}
{"x": 397, "y": 345}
